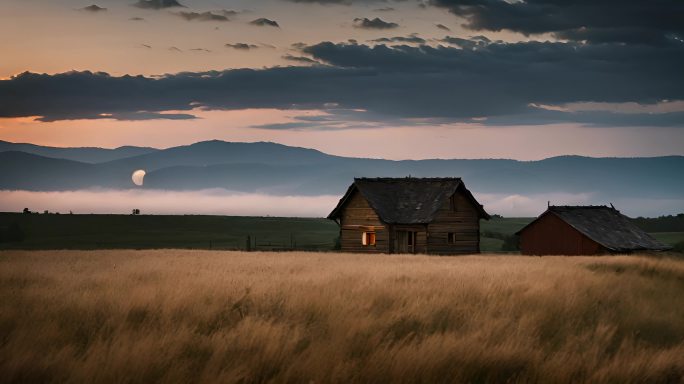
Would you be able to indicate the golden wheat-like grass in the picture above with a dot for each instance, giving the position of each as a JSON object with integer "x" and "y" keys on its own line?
{"x": 202, "y": 316}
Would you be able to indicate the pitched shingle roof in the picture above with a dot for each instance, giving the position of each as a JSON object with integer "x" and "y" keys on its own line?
{"x": 406, "y": 200}
{"x": 606, "y": 226}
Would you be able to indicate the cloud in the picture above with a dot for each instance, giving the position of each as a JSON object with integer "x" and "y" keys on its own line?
{"x": 336, "y": 119}
{"x": 443, "y": 27}
{"x": 136, "y": 19}
{"x": 412, "y": 38}
{"x": 158, "y": 4}
{"x": 300, "y": 59}
{"x": 666, "y": 106}
{"x": 340, "y": 2}
{"x": 242, "y": 46}
{"x": 504, "y": 83}
{"x": 207, "y": 16}
{"x": 93, "y": 8}
{"x": 471, "y": 43}
{"x": 385, "y": 9}
{"x": 376, "y": 23}
{"x": 628, "y": 21}
{"x": 264, "y": 22}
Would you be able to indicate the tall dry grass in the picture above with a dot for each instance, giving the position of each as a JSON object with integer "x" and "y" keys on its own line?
{"x": 184, "y": 316}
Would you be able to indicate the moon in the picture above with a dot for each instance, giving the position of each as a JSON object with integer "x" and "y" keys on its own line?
{"x": 138, "y": 177}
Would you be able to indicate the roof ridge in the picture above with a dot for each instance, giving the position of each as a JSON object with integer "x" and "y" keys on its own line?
{"x": 581, "y": 206}
{"x": 408, "y": 178}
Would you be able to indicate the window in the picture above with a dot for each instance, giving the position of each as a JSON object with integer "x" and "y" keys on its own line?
{"x": 368, "y": 238}
{"x": 451, "y": 237}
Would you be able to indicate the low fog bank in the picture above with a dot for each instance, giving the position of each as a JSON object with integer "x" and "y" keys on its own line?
{"x": 224, "y": 202}
{"x": 204, "y": 202}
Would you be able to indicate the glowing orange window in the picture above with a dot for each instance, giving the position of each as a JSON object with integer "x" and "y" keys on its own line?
{"x": 368, "y": 238}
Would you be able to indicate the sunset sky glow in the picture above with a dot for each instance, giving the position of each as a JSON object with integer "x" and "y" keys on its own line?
{"x": 431, "y": 79}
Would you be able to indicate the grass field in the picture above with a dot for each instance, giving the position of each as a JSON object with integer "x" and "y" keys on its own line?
{"x": 669, "y": 237}
{"x": 208, "y": 316}
{"x": 210, "y": 232}
{"x": 172, "y": 231}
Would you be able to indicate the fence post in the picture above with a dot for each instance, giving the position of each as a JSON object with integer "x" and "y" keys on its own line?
{"x": 249, "y": 243}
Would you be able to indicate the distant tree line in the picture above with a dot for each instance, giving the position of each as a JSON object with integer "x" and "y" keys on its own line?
{"x": 669, "y": 223}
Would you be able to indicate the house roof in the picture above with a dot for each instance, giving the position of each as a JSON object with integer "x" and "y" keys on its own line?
{"x": 406, "y": 200}
{"x": 606, "y": 226}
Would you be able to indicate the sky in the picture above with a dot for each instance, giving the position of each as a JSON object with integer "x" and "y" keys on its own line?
{"x": 384, "y": 79}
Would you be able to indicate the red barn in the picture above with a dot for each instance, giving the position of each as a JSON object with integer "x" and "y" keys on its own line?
{"x": 584, "y": 230}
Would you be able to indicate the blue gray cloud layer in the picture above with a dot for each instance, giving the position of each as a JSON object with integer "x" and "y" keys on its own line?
{"x": 635, "y": 55}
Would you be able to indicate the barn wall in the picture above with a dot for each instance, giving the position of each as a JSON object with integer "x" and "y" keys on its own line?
{"x": 550, "y": 235}
{"x": 358, "y": 214}
{"x": 464, "y": 221}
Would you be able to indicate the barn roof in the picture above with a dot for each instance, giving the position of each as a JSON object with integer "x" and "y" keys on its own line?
{"x": 606, "y": 226}
{"x": 406, "y": 200}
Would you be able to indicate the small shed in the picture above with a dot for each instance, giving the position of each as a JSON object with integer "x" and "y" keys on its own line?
{"x": 409, "y": 215}
{"x": 584, "y": 230}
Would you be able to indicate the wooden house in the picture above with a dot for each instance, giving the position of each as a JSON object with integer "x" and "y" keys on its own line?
{"x": 409, "y": 215}
{"x": 584, "y": 230}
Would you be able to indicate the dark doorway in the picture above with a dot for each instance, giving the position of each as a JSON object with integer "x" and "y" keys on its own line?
{"x": 406, "y": 241}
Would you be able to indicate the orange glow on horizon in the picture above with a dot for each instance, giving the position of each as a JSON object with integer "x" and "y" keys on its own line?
{"x": 422, "y": 141}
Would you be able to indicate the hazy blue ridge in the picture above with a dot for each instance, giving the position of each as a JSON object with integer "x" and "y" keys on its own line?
{"x": 82, "y": 154}
{"x": 283, "y": 170}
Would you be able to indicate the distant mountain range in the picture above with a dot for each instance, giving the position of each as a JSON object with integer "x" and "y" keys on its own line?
{"x": 283, "y": 170}
{"x": 82, "y": 154}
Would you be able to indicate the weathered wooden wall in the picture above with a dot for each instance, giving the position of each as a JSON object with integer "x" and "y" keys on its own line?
{"x": 550, "y": 235}
{"x": 357, "y": 217}
{"x": 464, "y": 222}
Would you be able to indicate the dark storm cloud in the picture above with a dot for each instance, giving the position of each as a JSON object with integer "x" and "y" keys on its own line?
{"x": 626, "y": 21}
{"x": 470, "y": 80}
{"x": 93, "y": 8}
{"x": 207, "y": 16}
{"x": 242, "y": 46}
{"x": 412, "y": 38}
{"x": 264, "y": 22}
{"x": 376, "y": 23}
{"x": 158, "y": 4}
